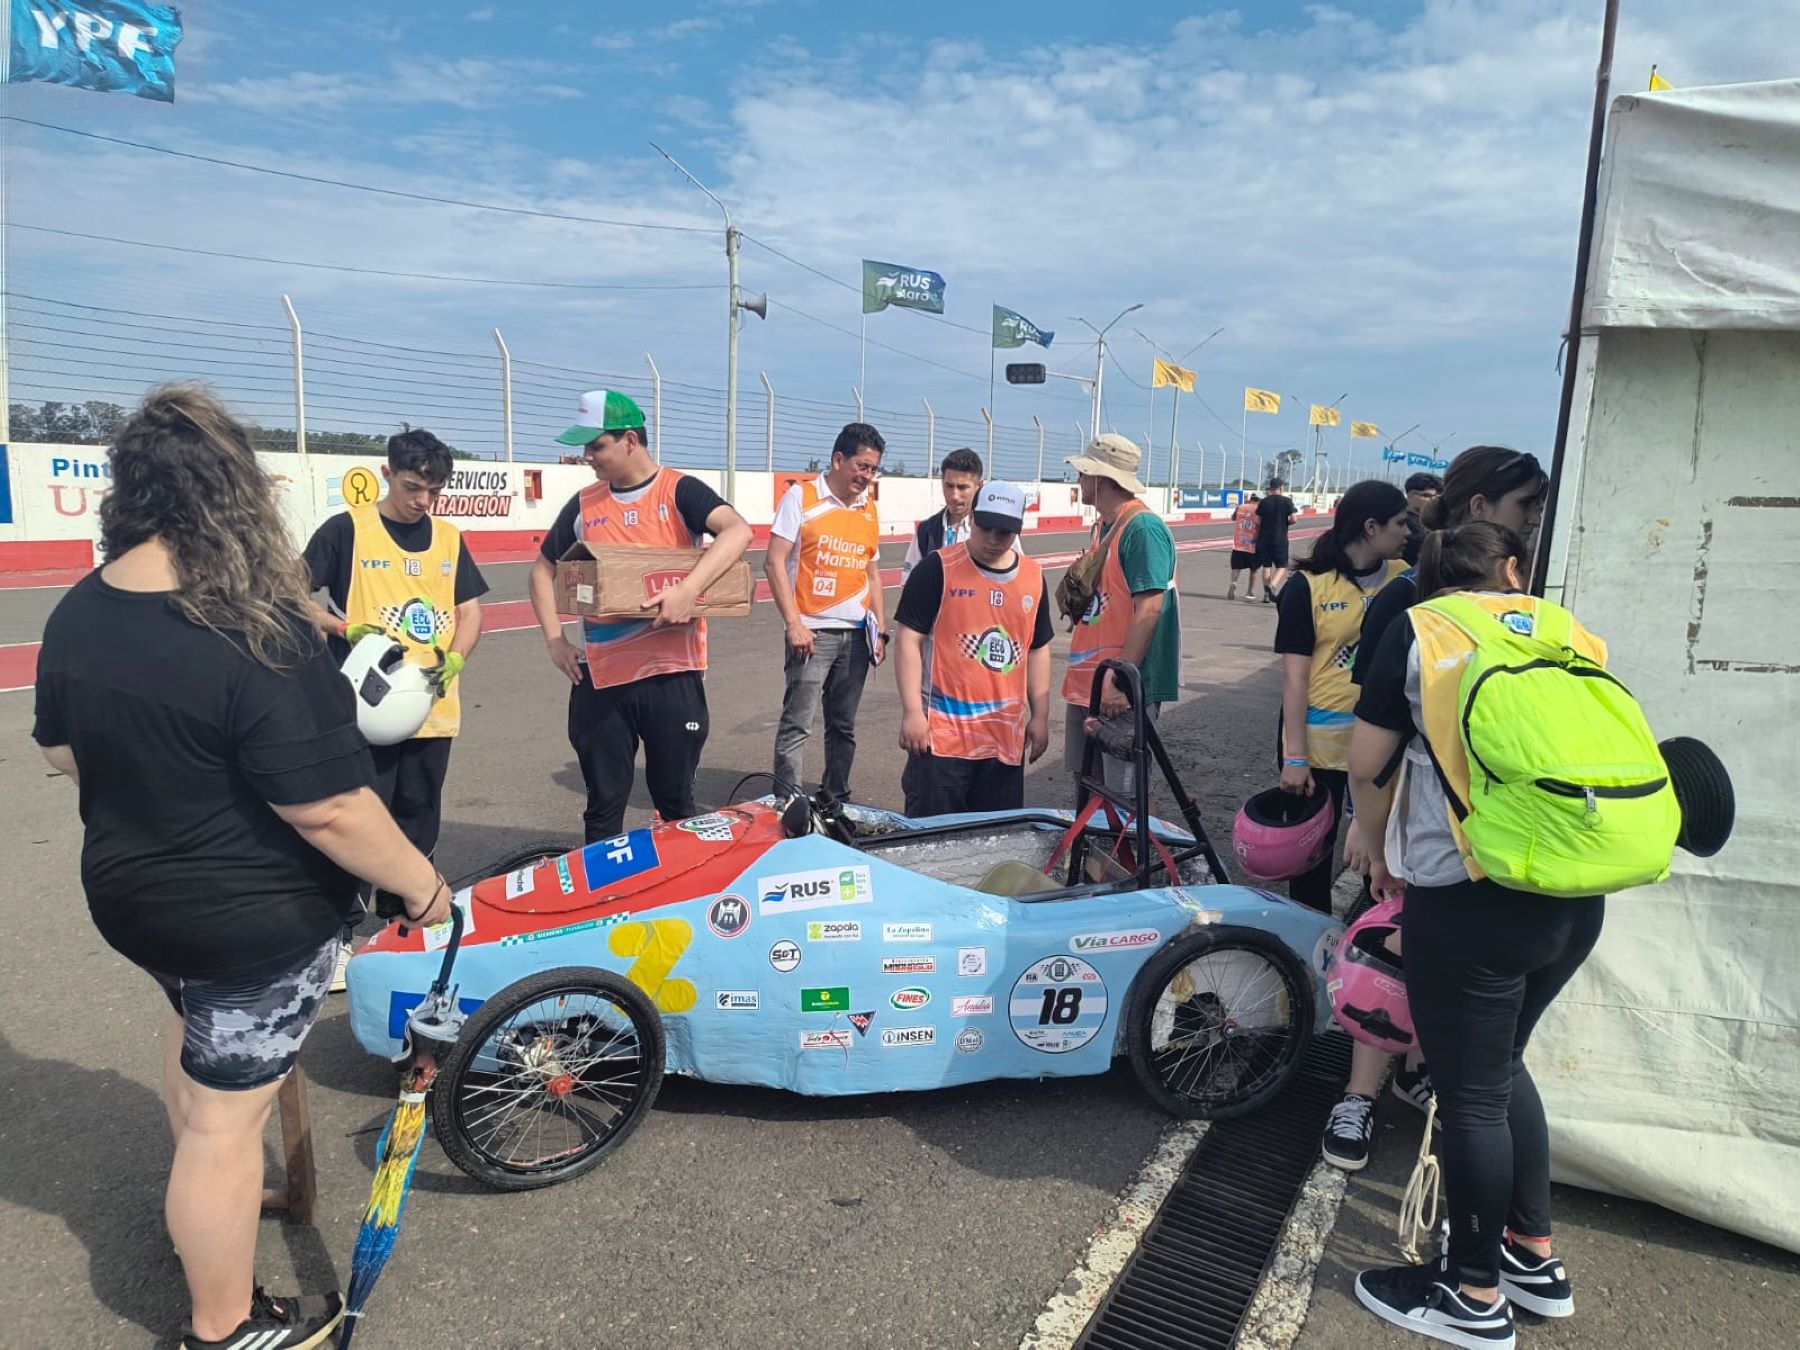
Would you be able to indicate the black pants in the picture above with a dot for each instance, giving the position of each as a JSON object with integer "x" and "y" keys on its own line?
{"x": 1482, "y": 964}
{"x": 1313, "y": 886}
{"x": 410, "y": 779}
{"x": 667, "y": 715}
{"x": 939, "y": 786}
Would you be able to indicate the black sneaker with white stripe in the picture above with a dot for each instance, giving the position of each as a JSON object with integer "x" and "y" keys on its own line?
{"x": 1536, "y": 1283}
{"x": 1428, "y": 1300}
{"x": 1348, "y": 1131}
{"x": 278, "y": 1324}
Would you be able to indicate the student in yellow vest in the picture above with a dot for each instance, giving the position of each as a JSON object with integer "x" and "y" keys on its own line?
{"x": 394, "y": 567}
{"x": 824, "y": 571}
{"x": 635, "y": 681}
{"x": 1133, "y": 616}
{"x": 973, "y": 663}
{"x": 1482, "y": 962}
{"x": 1318, "y": 626}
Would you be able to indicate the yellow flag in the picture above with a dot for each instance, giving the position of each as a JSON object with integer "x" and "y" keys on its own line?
{"x": 1167, "y": 372}
{"x": 1366, "y": 429}
{"x": 1261, "y": 400}
{"x": 1657, "y": 81}
{"x": 1325, "y": 417}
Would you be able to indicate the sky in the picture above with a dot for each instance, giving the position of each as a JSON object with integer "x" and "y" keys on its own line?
{"x": 1378, "y": 201}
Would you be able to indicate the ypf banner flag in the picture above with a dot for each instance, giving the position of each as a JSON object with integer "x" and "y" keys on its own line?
{"x": 1322, "y": 416}
{"x": 1013, "y": 329}
{"x": 109, "y": 46}
{"x": 1261, "y": 400}
{"x": 885, "y": 284}
{"x": 1167, "y": 372}
{"x": 1367, "y": 430}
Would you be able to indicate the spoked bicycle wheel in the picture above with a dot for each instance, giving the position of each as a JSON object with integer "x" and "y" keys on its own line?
{"x": 548, "y": 1077}
{"x": 1218, "y": 1022}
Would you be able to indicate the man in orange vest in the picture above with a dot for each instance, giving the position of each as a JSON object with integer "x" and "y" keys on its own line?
{"x": 1243, "y": 548}
{"x": 635, "y": 680}
{"x": 824, "y": 571}
{"x": 1133, "y": 616}
{"x": 973, "y": 662}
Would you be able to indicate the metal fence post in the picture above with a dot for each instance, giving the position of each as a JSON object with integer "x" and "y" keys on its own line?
{"x": 656, "y": 403}
{"x": 769, "y": 425}
{"x": 930, "y": 440}
{"x": 505, "y": 394}
{"x": 299, "y": 379}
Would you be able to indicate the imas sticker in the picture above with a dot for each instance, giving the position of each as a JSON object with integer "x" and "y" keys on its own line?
{"x": 894, "y": 1036}
{"x": 737, "y": 1000}
{"x": 820, "y": 888}
{"x": 785, "y": 956}
{"x": 728, "y": 916}
{"x": 1057, "y": 1005}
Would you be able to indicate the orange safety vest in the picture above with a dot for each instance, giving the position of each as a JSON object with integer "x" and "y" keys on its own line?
{"x": 1101, "y": 633}
{"x": 628, "y": 650}
{"x": 1243, "y": 537}
{"x": 833, "y": 550}
{"x": 976, "y": 699}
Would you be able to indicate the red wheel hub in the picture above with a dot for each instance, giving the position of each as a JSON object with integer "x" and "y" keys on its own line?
{"x": 561, "y": 1085}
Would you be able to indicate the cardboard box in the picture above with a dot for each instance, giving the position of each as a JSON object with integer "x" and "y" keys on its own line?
{"x": 612, "y": 582}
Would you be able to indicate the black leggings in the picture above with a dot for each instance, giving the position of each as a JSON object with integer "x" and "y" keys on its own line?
{"x": 1482, "y": 964}
{"x": 1313, "y": 886}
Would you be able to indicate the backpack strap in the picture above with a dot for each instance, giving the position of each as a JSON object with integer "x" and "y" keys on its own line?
{"x": 1553, "y": 627}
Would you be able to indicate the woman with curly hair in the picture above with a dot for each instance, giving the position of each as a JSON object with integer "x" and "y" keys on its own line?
{"x": 227, "y": 810}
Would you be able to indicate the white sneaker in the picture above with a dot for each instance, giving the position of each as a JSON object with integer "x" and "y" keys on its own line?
{"x": 337, "y": 974}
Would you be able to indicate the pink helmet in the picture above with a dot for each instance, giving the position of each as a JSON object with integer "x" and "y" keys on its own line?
{"x": 1367, "y": 988}
{"x": 1278, "y": 835}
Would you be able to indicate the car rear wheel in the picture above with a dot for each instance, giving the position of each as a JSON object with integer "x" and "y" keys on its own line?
{"x": 1218, "y": 1021}
{"x": 525, "y": 855}
{"x": 548, "y": 1077}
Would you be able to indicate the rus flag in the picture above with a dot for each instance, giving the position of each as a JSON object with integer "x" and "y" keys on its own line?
{"x": 1167, "y": 372}
{"x": 1322, "y": 416}
{"x": 1367, "y": 430}
{"x": 1261, "y": 400}
{"x": 109, "y": 46}
{"x": 887, "y": 284}
{"x": 1013, "y": 329}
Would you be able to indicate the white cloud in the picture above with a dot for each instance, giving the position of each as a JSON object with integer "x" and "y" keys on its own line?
{"x": 467, "y": 82}
{"x": 482, "y": 15}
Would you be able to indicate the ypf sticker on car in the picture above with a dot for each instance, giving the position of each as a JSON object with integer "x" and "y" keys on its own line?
{"x": 610, "y": 861}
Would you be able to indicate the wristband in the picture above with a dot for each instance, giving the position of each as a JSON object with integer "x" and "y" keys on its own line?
{"x": 1296, "y": 763}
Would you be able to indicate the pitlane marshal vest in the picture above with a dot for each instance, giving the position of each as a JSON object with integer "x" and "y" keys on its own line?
{"x": 1100, "y": 634}
{"x": 975, "y": 683}
{"x": 1243, "y": 529}
{"x": 1338, "y": 604}
{"x": 412, "y": 596}
{"x": 833, "y": 551}
{"x": 626, "y": 650}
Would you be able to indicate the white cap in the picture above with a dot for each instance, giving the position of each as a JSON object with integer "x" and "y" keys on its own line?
{"x": 1000, "y": 506}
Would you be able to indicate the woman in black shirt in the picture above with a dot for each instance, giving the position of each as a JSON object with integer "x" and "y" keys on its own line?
{"x": 224, "y": 794}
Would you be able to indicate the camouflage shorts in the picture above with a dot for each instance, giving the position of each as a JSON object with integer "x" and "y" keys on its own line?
{"x": 242, "y": 1034}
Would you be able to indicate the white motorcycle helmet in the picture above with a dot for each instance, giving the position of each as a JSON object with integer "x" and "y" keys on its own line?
{"x": 393, "y": 697}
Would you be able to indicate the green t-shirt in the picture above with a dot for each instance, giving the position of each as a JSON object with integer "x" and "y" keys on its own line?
{"x": 1147, "y": 556}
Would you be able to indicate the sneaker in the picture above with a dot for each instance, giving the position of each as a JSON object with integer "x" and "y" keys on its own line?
{"x": 1348, "y": 1131}
{"x": 338, "y": 981}
{"x": 1426, "y": 1299}
{"x": 278, "y": 1324}
{"x": 1231, "y": 591}
{"x": 1413, "y": 1088}
{"x": 1536, "y": 1283}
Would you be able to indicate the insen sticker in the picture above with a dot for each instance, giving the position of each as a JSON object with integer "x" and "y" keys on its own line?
{"x": 820, "y": 888}
{"x": 610, "y": 861}
{"x": 893, "y": 1036}
{"x": 1057, "y": 1005}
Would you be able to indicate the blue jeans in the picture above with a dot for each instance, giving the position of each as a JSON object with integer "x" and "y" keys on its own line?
{"x": 833, "y": 675}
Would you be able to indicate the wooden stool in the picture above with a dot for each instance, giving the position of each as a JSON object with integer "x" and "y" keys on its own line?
{"x": 301, "y": 1195}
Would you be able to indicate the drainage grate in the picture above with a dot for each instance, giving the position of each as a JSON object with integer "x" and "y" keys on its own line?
{"x": 1193, "y": 1275}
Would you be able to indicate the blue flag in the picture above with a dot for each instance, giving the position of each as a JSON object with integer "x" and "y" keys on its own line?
{"x": 110, "y": 46}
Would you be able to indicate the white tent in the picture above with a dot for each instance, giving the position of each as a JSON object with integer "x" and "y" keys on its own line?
{"x": 1671, "y": 1065}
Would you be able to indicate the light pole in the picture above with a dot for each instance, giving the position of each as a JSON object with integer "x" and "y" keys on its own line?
{"x": 1100, "y": 362}
{"x": 1395, "y": 443}
{"x": 1175, "y": 414}
{"x": 731, "y": 323}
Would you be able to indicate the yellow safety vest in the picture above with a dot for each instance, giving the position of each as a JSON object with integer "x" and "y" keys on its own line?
{"x": 1337, "y": 604}
{"x": 411, "y": 595}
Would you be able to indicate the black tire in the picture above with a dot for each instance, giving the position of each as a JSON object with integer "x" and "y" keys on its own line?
{"x": 505, "y": 1080}
{"x": 536, "y": 851}
{"x": 1231, "y": 972}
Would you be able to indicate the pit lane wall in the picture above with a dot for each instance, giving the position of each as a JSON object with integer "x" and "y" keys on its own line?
{"x": 50, "y": 501}
{"x": 1669, "y": 1065}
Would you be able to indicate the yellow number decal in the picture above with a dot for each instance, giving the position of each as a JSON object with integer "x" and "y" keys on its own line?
{"x": 657, "y": 946}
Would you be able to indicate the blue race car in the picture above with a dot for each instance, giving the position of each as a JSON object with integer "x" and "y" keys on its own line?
{"x": 847, "y": 952}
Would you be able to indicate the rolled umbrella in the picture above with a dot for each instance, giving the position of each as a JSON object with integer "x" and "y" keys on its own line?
{"x": 430, "y": 1030}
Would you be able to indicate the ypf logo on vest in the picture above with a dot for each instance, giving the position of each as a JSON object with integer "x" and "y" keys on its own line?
{"x": 820, "y": 888}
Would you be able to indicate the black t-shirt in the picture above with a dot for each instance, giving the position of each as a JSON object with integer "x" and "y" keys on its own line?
{"x": 923, "y": 596}
{"x": 1272, "y": 515}
{"x": 331, "y": 556}
{"x": 1383, "y": 701}
{"x": 1294, "y": 632}
{"x": 694, "y": 503}
{"x": 182, "y": 742}
{"x": 1393, "y": 600}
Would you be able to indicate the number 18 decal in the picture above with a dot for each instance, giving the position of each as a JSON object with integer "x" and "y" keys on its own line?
{"x": 1057, "y": 1005}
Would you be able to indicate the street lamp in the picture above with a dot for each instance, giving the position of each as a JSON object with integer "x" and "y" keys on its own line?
{"x": 1100, "y": 364}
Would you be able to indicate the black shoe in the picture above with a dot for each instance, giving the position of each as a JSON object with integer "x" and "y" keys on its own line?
{"x": 1426, "y": 1300}
{"x": 1412, "y": 1088}
{"x": 1348, "y": 1131}
{"x": 1536, "y": 1283}
{"x": 278, "y": 1324}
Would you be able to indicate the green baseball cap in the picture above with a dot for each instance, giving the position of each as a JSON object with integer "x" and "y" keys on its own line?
{"x": 602, "y": 410}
